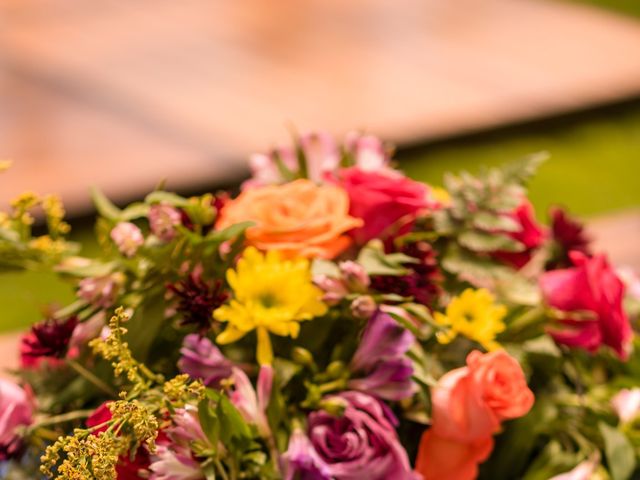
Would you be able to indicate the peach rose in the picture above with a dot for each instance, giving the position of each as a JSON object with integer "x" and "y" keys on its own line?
{"x": 468, "y": 406}
{"x": 440, "y": 458}
{"x": 469, "y": 403}
{"x": 298, "y": 218}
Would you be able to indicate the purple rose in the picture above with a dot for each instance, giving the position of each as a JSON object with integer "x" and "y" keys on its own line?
{"x": 362, "y": 441}
{"x": 380, "y": 358}
{"x": 301, "y": 461}
{"x": 202, "y": 359}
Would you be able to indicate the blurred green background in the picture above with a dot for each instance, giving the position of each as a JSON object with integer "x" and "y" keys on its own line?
{"x": 594, "y": 169}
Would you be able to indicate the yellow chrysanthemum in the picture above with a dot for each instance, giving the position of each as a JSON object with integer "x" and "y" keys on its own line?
{"x": 475, "y": 315}
{"x": 271, "y": 295}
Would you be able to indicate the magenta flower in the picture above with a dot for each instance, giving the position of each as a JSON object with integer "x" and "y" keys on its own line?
{"x": 380, "y": 357}
{"x": 16, "y": 410}
{"x": 362, "y": 441}
{"x": 301, "y": 461}
{"x": 591, "y": 286}
{"x": 202, "y": 359}
{"x": 127, "y": 237}
{"x": 252, "y": 404}
{"x": 163, "y": 220}
{"x": 387, "y": 201}
{"x": 530, "y": 234}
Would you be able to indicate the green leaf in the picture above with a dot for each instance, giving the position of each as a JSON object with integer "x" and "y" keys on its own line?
{"x": 105, "y": 207}
{"x": 209, "y": 422}
{"x": 489, "y": 242}
{"x": 133, "y": 211}
{"x": 491, "y": 222}
{"x": 521, "y": 171}
{"x": 233, "y": 429}
{"x": 324, "y": 267}
{"x": 621, "y": 459}
{"x": 376, "y": 262}
{"x": 160, "y": 196}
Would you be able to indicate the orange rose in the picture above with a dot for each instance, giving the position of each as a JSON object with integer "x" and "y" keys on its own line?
{"x": 298, "y": 218}
{"x": 440, "y": 458}
{"x": 469, "y": 404}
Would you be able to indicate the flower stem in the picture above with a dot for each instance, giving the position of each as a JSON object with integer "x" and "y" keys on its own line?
{"x": 528, "y": 318}
{"x": 90, "y": 377}
{"x": 64, "y": 417}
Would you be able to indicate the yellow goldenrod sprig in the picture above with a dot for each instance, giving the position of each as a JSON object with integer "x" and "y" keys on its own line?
{"x": 116, "y": 349}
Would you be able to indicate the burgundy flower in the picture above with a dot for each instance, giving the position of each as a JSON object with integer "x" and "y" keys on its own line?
{"x": 568, "y": 235}
{"x": 423, "y": 281}
{"x": 48, "y": 339}
{"x": 197, "y": 299}
{"x": 591, "y": 286}
{"x": 531, "y": 235}
{"x": 202, "y": 359}
{"x": 127, "y": 468}
{"x": 380, "y": 359}
{"x": 361, "y": 441}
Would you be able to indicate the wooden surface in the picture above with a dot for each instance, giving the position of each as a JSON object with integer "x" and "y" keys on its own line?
{"x": 123, "y": 94}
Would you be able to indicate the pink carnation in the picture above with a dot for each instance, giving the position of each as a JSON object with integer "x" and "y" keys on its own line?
{"x": 16, "y": 410}
{"x": 590, "y": 287}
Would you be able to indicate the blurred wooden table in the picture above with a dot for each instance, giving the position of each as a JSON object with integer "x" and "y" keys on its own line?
{"x": 124, "y": 94}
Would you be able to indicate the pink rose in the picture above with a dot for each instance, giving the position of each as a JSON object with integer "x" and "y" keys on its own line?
{"x": 16, "y": 410}
{"x": 591, "y": 287}
{"x": 531, "y": 235}
{"x": 626, "y": 404}
{"x": 387, "y": 201}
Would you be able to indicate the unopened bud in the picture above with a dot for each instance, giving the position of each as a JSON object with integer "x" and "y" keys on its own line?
{"x": 302, "y": 356}
{"x": 334, "y": 405}
{"x": 355, "y": 276}
{"x": 363, "y": 307}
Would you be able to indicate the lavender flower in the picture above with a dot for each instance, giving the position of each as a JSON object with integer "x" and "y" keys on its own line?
{"x": 380, "y": 357}
{"x": 362, "y": 441}
{"x": 301, "y": 461}
{"x": 202, "y": 359}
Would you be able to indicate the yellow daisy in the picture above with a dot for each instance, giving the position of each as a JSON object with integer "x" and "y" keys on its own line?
{"x": 271, "y": 295}
{"x": 475, "y": 315}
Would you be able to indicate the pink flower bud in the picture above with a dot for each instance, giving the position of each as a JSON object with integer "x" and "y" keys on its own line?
{"x": 163, "y": 220}
{"x": 626, "y": 404}
{"x": 127, "y": 237}
{"x": 354, "y": 275}
{"x": 333, "y": 288}
{"x": 363, "y": 307}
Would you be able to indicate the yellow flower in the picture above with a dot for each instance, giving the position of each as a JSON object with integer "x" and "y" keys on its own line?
{"x": 270, "y": 295}
{"x": 475, "y": 315}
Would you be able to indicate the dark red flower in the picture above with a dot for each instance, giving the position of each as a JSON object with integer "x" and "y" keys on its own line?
{"x": 127, "y": 468}
{"x": 197, "y": 299}
{"x": 48, "y": 339}
{"x": 531, "y": 235}
{"x": 568, "y": 235}
{"x": 423, "y": 281}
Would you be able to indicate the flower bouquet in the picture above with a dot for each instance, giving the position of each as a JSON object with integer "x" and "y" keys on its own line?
{"x": 332, "y": 320}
